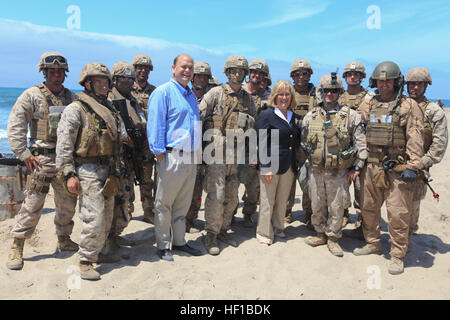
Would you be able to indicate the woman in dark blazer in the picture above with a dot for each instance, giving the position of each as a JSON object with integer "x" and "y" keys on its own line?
{"x": 277, "y": 160}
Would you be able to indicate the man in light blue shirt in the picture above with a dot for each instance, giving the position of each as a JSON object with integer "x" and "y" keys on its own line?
{"x": 173, "y": 129}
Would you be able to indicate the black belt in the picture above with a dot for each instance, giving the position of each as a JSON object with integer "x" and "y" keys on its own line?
{"x": 42, "y": 151}
{"x": 97, "y": 160}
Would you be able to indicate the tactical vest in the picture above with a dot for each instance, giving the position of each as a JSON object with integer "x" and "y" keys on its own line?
{"x": 352, "y": 100}
{"x": 383, "y": 128}
{"x": 138, "y": 118}
{"x": 142, "y": 95}
{"x": 330, "y": 147}
{"x": 235, "y": 114}
{"x": 45, "y": 129}
{"x": 100, "y": 129}
{"x": 305, "y": 103}
{"x": 427, "y": 129}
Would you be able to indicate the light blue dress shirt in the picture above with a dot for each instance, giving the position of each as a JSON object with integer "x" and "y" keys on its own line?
{"x": 173, "y": 119}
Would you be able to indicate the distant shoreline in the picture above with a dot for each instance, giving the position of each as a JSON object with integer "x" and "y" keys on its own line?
{"x": 79, "y": 90}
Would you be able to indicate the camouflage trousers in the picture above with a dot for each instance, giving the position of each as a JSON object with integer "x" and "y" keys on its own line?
{"x": 420, "y": 190}
{"x": 196, "y": 203}
{"x": 122, "y": 216}
{"x": 273, "y": 205}
{"x": 251, "y": 196}
{"x": 222, "y": 187}
{"x": 96, "y": 211}
{"x": 306, "y": 201}
{"x": 399, "y": 205}
{"x": 329, "y": 192}
{"x": 29, "y": 214}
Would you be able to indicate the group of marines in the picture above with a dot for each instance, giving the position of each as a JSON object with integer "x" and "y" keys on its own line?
{"x": 383, "y": 142}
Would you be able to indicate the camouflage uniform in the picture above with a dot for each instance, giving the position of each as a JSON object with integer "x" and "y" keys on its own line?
{"x": 251, "y": 196}
{"x": 354, "y": 101}
{"x": 305, "y": 103}
{"x": 41, "y": 109}
{"x": 435, "y": 129}
{"x": 329, "y": 188}
{"x": 222, "y": 182}
{"x": 403, "y": 147}
{"x": 148, "y": 189}
{"x": 192, "y": 214}
{"x": 30, "y": 108}
{"x": 124, "y": 207}
{"x": 77, "y": 156}
{"x": 435, "y": 137}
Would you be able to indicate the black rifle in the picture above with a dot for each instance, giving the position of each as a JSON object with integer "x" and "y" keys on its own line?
{"x": 138, "y": 141}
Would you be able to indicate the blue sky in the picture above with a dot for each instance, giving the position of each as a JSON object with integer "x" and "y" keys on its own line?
{"x": 328, "y": 33}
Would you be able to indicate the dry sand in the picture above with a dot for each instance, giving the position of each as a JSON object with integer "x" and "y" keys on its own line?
{"x": 288, "y": 269}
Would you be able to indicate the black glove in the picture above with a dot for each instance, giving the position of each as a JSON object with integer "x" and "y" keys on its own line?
{"x": 408, "y": 175}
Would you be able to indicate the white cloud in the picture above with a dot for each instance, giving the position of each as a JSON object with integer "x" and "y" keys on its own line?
{"x": 290, "y": 10}
{"x": 13, "y": 26}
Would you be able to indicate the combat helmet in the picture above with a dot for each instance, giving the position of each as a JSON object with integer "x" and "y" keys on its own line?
{"x": 419, "y": 74}
{"x": 259, "y": 64}
{"x": 300, "y": 64}
{"x": 236, "y": 62}
{"x": 53, "y": 60}
{"x": 331, "y": 81}
{"x": 384, "y": 71}
{"x": 123, "y": 69}
{"x": 213, "y": 81}
{"x": 268, "y": 79}
{"x": 355, "y": 66}
{"x": 144, "y": 60}
{"x": 92, "y": 70}
{"x": 202, "y": 68}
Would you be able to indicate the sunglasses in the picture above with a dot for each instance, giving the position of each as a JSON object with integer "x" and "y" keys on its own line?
{"x": 331, "y": 90}
{"x": 125, "y": 79}
{"x": 298, "y": 74}
{"x": 52, "y": 59}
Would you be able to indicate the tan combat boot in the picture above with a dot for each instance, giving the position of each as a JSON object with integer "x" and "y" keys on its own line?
{"x": 318, "y": 240}
{"x": 15, "y": 257}
{"x": 66, "y": 244}
{"x": 211, "y": 244}
{"x": 334, "y": 247}
{"x": 395, "y": 266}
{"x": 87, "y": 271}
{"x": 369, "y": 248}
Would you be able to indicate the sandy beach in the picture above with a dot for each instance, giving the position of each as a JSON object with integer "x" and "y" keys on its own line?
{"x": 287, "y": 270}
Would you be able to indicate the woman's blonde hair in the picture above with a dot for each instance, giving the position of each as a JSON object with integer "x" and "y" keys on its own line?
{"x": 282, "y": 85}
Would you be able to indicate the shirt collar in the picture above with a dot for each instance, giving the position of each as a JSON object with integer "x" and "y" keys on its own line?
{"x": 281, "y": 115}
{"x": 184, "y": 91}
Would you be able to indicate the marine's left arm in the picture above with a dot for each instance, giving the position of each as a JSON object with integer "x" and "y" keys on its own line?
{"x": 359, "y": 138}
{"x": 436, "y": 117}
{"x": 412, "y": 117}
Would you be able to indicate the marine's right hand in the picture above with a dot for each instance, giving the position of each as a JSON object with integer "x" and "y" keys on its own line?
{"x": 73, "y": 185}
{"x": 32, "y": 163}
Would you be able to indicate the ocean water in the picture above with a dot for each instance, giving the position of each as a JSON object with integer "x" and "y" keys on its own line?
{"x": 8, "y": 97}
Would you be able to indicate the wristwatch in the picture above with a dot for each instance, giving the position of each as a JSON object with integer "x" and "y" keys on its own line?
{"x": 356, "y": 168}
